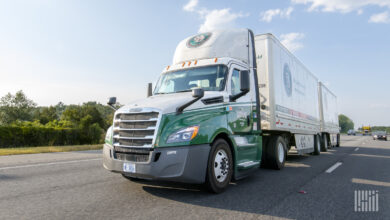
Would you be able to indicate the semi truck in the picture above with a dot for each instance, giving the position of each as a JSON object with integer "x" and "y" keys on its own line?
{"x": 229, "y": 103}
{"x": 366, "y": 130}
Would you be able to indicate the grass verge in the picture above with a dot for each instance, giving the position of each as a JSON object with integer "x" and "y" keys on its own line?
{"x": 48, "y": 149}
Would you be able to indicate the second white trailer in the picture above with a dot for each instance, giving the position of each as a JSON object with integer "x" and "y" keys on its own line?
{"x": 330, "y": 130}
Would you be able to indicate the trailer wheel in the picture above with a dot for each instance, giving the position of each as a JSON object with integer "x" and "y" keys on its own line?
{"x": 276, "y": 152}
{"x": 317, "y": 145}
{"x": 338, "y": 140}
{"x": 220, "y": 167}
{"x": 324, "y": 146}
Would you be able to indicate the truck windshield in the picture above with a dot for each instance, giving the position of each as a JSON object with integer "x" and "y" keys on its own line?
{"x": 209, "y": 78}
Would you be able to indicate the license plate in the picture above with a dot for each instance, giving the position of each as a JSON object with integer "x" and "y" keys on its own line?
{"x": 129, "y": 167}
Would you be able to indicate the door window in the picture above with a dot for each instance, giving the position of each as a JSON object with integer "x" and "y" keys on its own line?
{"x": 235, "y": 82}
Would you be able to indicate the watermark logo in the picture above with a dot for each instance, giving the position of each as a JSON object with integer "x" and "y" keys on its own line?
{"x": 366, "y": 200}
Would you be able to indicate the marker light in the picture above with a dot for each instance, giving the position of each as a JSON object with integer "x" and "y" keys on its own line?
{"x": 195, "y": 62}
{"x": 189, "y": 63}
{"x": 215, "y": 60}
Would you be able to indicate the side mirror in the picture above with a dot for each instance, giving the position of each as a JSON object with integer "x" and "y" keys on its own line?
{"x": 111, "y": 102}
{"x": 244, "y": 81}
{"x": 149, "y": 92}
{"x": 198, "y": 93}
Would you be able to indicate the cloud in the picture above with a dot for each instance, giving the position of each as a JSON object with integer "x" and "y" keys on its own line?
{"x": 191, "y": 5}
{"x": 213, "y": 19}
{"x": 217, "y": 19}
{"x": 380, "y": 18}
{"x": 268, "y": 15}
{"x": 291, "y": 41}
{"x": 342, "y": 6}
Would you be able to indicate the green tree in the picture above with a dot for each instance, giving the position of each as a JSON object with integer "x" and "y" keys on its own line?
{"x": 106, "y": 112}
{"x": 15, "y": 107}
{"x": 345, "y": 123}
{"x": 77, "y": 115}
{"x": 45, "y": 114}
{"x": 60, "y": 107}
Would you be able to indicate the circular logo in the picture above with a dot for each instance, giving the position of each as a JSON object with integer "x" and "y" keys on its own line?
{"x": 198, "y": 40}
{"x": 287, "y": 79}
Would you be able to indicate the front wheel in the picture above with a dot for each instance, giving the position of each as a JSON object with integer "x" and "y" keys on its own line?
{"x": 276, "y": 152}
{"x": 220, "y": 167}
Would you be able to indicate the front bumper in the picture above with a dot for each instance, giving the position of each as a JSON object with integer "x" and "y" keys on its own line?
{"x": 186, "y": 164}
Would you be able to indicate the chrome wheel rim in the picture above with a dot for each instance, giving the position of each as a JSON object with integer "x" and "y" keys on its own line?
{"x": 281, "y": 152}
{"x": 221, "y": 166}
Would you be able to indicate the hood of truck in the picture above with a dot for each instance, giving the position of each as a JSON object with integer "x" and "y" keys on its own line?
{"x": 167, "y": 103}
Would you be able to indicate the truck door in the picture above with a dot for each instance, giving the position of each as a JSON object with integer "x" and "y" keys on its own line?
{"x": 240, "y": 118}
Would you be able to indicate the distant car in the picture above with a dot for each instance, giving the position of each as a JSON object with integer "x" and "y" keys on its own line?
{"x": 351, "y": 132}
{"x": 379, "y": 135}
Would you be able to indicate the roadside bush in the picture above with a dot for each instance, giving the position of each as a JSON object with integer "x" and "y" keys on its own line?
{"x": 18, "y": 136}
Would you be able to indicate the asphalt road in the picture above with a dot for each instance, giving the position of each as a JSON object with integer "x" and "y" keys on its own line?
{"x": 74, "y": 185}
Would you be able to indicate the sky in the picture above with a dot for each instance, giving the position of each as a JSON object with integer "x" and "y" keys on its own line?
{"x": 77, "y": 51}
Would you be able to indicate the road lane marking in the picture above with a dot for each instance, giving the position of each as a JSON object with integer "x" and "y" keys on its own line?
{"x": 333, "y": 167}
{"x": 356, "y": 149}
{"x": 371, "y": 155}
{"x": 47, "y": 164}
{"x": 370, "y": 182}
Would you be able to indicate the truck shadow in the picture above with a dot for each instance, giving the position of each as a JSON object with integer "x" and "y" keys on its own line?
{"x": 260, "y": 192}
{"x": 246, "y": 195}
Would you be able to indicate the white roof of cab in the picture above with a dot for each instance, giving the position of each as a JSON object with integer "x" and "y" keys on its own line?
{"x": 216, "y": 44}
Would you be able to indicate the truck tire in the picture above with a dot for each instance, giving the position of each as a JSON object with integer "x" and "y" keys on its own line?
{"x": 338, "y": 140}
{"x": 324, "y": 145}
{"x": 276, "y": 152}
{"x": 219, "y": 167}
{"x": 317, "y": 145}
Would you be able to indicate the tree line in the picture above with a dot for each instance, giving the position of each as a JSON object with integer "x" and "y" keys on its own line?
{"x": 23, "y": 123}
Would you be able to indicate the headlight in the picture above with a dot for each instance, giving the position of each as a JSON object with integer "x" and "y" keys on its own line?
{"x": 375, "y": 136}
{"x": 183, "y": 135}
{"x": 108, "y": 138}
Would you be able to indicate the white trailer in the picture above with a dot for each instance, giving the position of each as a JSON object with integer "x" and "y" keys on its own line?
{"x": 330, "y": 130}
{"x": 288, "y": 95}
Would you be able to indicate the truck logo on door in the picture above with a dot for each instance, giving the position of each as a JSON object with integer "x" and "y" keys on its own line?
{"x": 287, "y": 79}
{"x": 198, "y": 40}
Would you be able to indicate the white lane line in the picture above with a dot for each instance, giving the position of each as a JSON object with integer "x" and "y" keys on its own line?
{"x": 356, "y": 149}
{"x": 332, "y": 168}
{"x": 47, "y": 164}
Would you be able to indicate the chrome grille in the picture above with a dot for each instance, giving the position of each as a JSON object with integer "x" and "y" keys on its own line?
{"x": 131, "y": 154}
{"x": 135, "y": 129}
{"x": 135, "y": 142}
{"x": 137, "y": 116}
